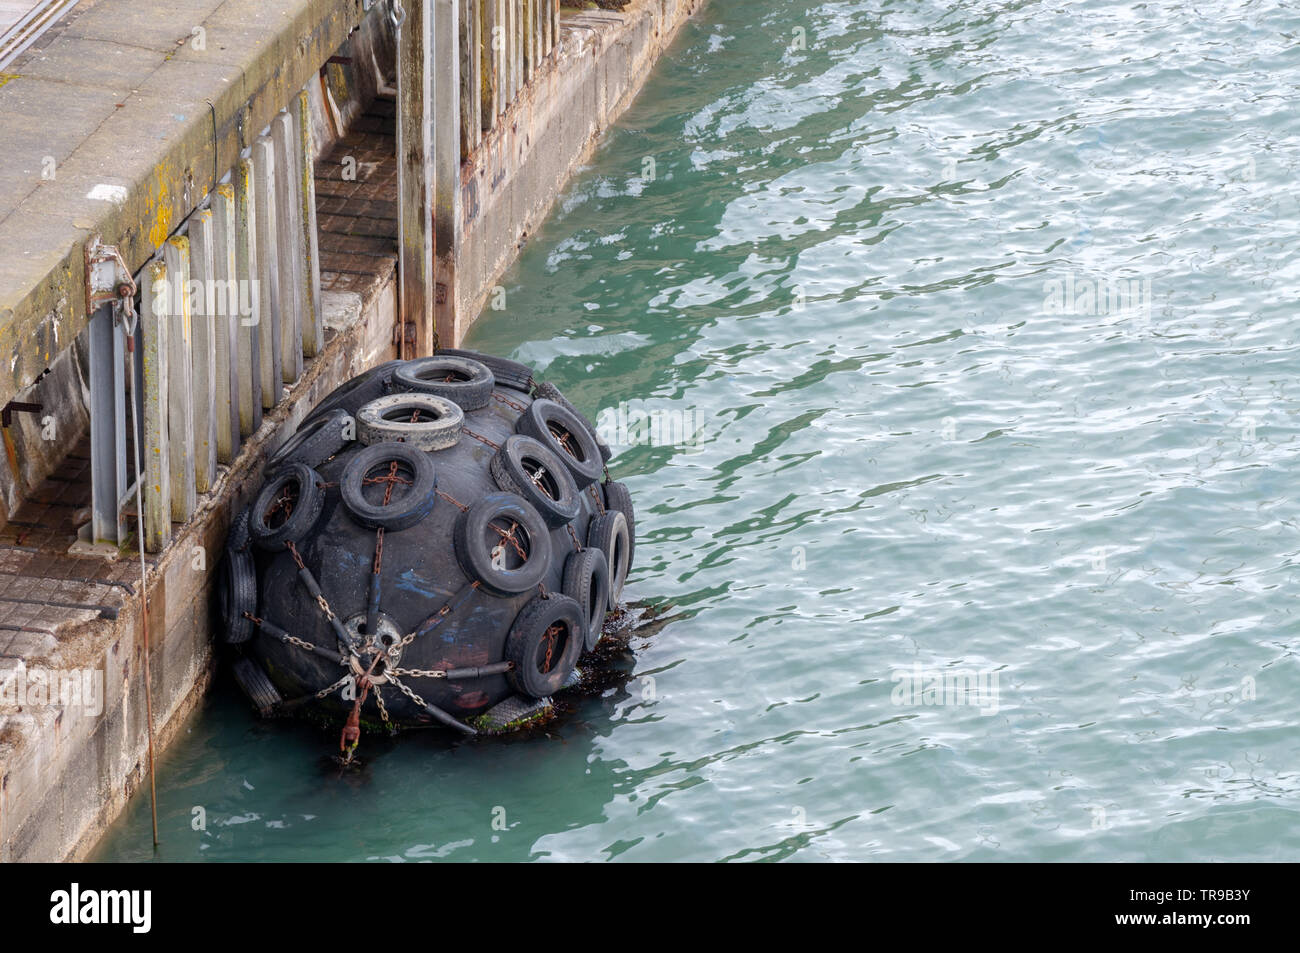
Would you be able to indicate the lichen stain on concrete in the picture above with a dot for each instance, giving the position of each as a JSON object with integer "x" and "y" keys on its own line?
{"x": 158, "y": 207}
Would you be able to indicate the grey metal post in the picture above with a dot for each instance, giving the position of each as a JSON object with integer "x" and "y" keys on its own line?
{"x": 250, "y": 300}
{"x": 107, "y": 427}
{"x": 288, "y": 245}
{"x": 180, "y": 379}
{"x": 226, "y": 318}
{"x": 313, "y": 323}
{"x": 268, "y": 271}
{"x": 204, "y": 324}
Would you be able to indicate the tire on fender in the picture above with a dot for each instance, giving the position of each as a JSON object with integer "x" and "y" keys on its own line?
{"x": 419, "y": 420}
{"x": 287, "y": 507}
{"x": 505, "y": 372}
{"x": 316, "y": 440}
{"x": 465, "y": 382}
{"x": 586, "y": 582}
{"x": 608, "y": 533}
{"x": 548, "y": 391}
{"x": 236, "y": 595}
{"x": 529, "y": 469}
{"x": 544, "y": 644}
{"x": 503, "y": 543}
{"x": 413, "y": 490}
{"x": 350, "y": 395}
{"x": 564, "y": 434}
{"x": 619, "y": 497}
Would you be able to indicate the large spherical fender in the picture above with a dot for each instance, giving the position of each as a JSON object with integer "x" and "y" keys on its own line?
{"x": 465, "y": 382}
{"x": 525, "y": 467}
{"x": 502, "y": 542}
{"x": 378, "y": 494}
{"x": 608, "y": 533}
{"x": 287, "y": 507}
{"x": 544, "y": 644}
{"x": 586, "y": 582}
{"x": 561, "y": 432}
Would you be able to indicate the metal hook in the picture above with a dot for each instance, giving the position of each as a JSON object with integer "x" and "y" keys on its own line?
{"x": 397, "y": 14}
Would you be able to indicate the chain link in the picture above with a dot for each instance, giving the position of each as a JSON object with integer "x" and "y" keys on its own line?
{"x": 417, "y": 672}
{"x": 408, "y": 692}
{"x": 480, "y": 437}
{"x": 301, "y": 643}
{"x": 339, "y": 684}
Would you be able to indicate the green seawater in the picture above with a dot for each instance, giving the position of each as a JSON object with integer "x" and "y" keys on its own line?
{"x": 969, "y": 335}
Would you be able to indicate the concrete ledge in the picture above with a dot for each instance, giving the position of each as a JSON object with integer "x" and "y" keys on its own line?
{"x": 155, "y": 136}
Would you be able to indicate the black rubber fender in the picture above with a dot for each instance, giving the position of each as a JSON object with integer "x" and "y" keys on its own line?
{"x": 478, "y": 533}
{"x": 547, "y": 627}
{"x": 464, "y": 381}
{"x": 619, "y": 497}
{"x": 294, "y": 487}
{"x": 388, "y": 418}
{"x": 317, "y": 439}
{"x": 411, "y": 500}
{"x": 586, "y": 582}
{"x": 529, "y": 469}
{"x": 505, "y": 372}
{"x": 575, "y": 445}
{"x": 548, "y": 391}
{"x": 608, "y": 533}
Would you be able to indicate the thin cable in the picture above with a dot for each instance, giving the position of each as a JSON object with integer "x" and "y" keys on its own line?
{"x": 129, "y": 321}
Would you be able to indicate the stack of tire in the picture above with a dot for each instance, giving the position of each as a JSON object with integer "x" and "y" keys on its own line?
{"x": 443, "y": 527}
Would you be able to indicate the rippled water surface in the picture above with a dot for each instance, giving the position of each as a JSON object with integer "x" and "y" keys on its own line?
{"x": 867, "y": 270}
